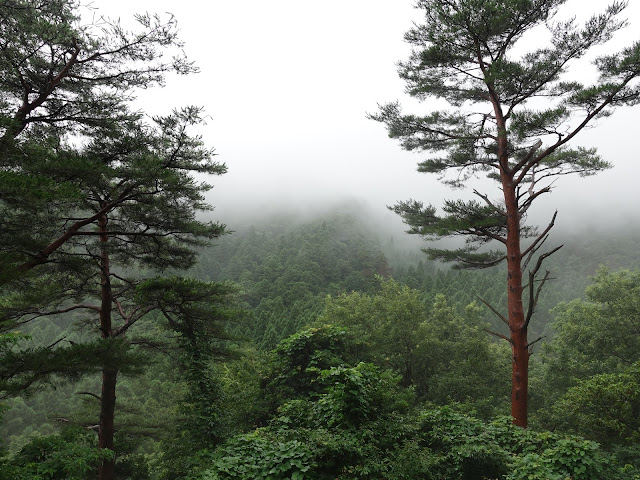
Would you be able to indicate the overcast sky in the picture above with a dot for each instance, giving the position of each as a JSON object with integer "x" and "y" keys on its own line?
{"x": 288, "y": 83}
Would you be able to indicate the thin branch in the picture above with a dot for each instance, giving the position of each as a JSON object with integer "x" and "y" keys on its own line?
{"x": 494, "y": 310}
{"x": 154, "y": 345}
{"x": 499, "y": 335}
{"x": 131, "y": 320}
{"x": 122, "y": 279}
{"x": 486, "y": 199}
{"x": 55, "y": 343}
{"x": 534, "y": 295}
{"x": 97, "y": 397}
{"x": 483, "y": 232}
{"x": 535, "y": 341}
{"x": 133, "y": 234}
{"x": 57, "y": 312}
{"x": 543, "y": 236}
{"x": 472, "y": 264}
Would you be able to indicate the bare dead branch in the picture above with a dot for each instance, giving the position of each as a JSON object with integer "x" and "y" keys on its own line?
{"x": 535, "y": 341}
{"x": 494, "y": 310}
{"x": 499, "y": 335}
{"x": 532, "y": 196}
{"x": 534, "y": 148}
{"x": 540, "y": 239}
{"x": 534, "y": 293}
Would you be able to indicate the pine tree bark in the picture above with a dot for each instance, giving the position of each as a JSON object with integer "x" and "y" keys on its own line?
{"x": 517, "y": 325}
{"x": 515, "y": 307}
{"x": 109, "y": 373}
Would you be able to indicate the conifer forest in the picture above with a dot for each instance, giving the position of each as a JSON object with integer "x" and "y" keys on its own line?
{"x": 144, "y": 336}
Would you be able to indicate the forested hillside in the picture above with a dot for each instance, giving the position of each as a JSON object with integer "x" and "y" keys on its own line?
{"x": 287, "y": 272}
{"x": 327, "y": 281}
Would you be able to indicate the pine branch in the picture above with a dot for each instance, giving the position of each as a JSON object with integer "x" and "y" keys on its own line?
{"x": 97, "y": 397}
{"x": 488, "y": 202}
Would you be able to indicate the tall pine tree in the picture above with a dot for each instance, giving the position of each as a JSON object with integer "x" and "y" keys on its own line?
{"x": 512, "y": 118}
{"x": 94, "y": 200}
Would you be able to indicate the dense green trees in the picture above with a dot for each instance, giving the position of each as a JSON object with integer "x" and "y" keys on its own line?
{"x": 338, "y": 370}
{"x": 339, "y": 418}
{"x": 286, "y": 271}
{"x": 445, "y": 356}
{"x": 465, "y": 53}
{"x": 198, "y": 404}
{"x": 589, "y": 369}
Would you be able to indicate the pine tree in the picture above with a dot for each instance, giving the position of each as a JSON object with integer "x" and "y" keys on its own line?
{"x": 145, "y": 171}
{"x": 94, "y": 200}
{"x": 512, "y": 118}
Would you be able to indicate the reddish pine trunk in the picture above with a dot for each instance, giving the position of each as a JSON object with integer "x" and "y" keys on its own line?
{"x": 520, "y": 378}
{"x": 109, "y": 373}
{"x": 516, "y": 316}
{"x": 517, "y": 326}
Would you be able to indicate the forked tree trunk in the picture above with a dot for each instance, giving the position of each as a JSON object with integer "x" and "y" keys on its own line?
{"x": 109, "y": 373}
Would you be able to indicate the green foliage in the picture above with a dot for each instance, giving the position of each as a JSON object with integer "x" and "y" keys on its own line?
{"x": 605, "y": 406}
{"x": 297, "y": 362}
{"x": 447, "y": 357}
{"x": 71, "y": 455}
{"x": 457, "y": 362}
{"x": 337, "y": 432}
{"x": 466, "y": 448}
{"x": 357, "y": 423}
{"x": 287, "y": 271}
{"x": 354, "y": 396}
{"x": 561, "y": 458}
{"x": 260, "y": 457}
{"x": 386, "y": 322}
{"x": 591, "y": 337}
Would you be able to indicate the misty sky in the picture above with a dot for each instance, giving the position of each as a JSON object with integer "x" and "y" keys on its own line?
{"x": 288, "y": 83}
